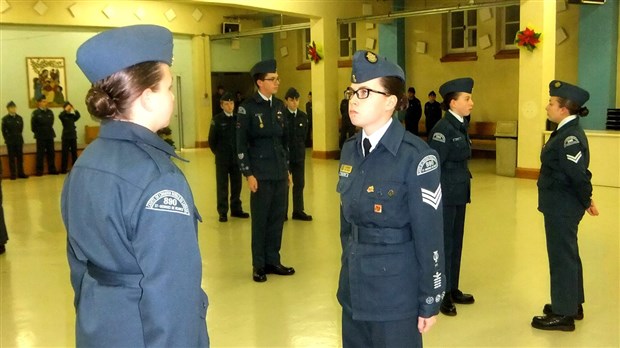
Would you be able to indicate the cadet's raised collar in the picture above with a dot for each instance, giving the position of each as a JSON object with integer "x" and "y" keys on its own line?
{"x": 455, "y": 122}
{"x": 392, "y": 138}
{"x": 566, "y": 121}
{"x": 134, "y": 132}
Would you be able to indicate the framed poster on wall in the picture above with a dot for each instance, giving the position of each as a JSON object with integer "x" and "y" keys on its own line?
{"x": 46, "y": 76}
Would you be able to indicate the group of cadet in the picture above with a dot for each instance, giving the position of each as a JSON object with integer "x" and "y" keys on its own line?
{"x": 402, "y": 201}
{"x": 42, "y": 125}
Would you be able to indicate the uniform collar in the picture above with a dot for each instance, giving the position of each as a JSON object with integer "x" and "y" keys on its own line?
{"x": 129, "y": 131}
{"x": 458, "y": 117}
{"x": 259, "y": 98}
{"x": 566, "y": 121}
{"x": 391, "y": 139}
{"x": 292, "y": 112}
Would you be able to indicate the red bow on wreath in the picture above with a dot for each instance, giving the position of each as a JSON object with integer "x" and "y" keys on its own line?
{"x": 314, "y": 53}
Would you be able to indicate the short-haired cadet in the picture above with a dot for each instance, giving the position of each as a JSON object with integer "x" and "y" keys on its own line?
{"x": 223, "y": 144}
{"x": 12, "y": 129}
{"x": 449, "y": 138}
{"x": 391, "y": 279}
{"x": 42, "y": 125}
{"x": 129, "y": 212}
{"x": 262, "y": 149}
{"x": 298, "y": 124}
{"x": 564, "y": 196}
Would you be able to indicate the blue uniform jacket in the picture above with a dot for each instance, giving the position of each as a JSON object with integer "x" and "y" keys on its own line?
{"x": 564, "y": 186}
{"x": 132, "y": 244}
{"x": 391, "y": 228}
{"x": 449, "y": 138}
{"x": 262, "y": 138}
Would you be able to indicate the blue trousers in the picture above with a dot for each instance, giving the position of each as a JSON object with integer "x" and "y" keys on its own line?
{"x": 380, "y": 334}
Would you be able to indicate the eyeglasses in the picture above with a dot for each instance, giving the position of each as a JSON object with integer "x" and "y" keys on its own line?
{"x": 361, "y": 93}
{"x": 272, "y": 79}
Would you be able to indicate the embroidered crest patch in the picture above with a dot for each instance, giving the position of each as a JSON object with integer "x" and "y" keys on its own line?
{"x": 570, "y": 140}
{"x": 241, "y": 110}
{"x": 427, "y": 164}
{"x": 168, "y": 201}
{"x": 439, "y": 137}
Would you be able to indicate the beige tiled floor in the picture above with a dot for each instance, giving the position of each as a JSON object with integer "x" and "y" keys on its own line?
{"x": 504, "y": 266}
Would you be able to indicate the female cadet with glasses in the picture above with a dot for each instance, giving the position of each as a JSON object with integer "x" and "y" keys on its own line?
{"x": 129, "y": 212}
{"x": 391, "y": 280}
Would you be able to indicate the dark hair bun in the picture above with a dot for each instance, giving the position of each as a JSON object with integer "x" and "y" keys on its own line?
{"x": 100, "y": 104}
{"x": 583, "y": 112}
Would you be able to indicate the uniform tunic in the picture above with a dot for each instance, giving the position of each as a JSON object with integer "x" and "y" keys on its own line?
{"x": 42, "y": 125}
{"x": 298, "y": 132}
{"x": 132, "y": 244}
{"x": 222, "y": 141}
{"x": 262, "y": 140}
{"x": 413, "y": 115}
{"x": 449, "y": 138}
{"x": 564, "y": 193}
{"x": 12, "y": 129}
{"x": 391, "y": 230}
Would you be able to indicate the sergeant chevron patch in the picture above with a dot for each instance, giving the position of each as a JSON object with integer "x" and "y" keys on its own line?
{"x": 432, "y": 198}
{"x": 575, "y": 158}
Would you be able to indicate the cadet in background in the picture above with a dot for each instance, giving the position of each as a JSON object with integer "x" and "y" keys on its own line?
{"x": 68, "y": 117}
{"x": 12, "y": 129}
{"x": 413, "y": 113}
{"x": 42, "y": 125}
{"x": 432, "y": 112}
{"x": 262, "y": 149}
{"x": 223, "y": 144}
{"x": 298, "y": 131}
{"x": 449, "y": 138}
{"x": 564, "y": 195}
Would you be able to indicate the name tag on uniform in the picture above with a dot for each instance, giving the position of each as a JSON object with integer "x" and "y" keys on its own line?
{"x": 345, "y": 170}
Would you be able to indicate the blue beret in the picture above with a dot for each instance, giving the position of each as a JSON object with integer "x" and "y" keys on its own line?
{"x": 227, "y": 96}
{"x": 291, "y": 93}
{"x": 465, "y": 84}
{"x": 114, "y": 50}
{"x": 567, "y": 91}
{"x": 264, "y": 67}
{"x": 367, "y": 66}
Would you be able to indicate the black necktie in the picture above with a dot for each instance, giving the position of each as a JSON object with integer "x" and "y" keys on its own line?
{"x": 366, "y": 145}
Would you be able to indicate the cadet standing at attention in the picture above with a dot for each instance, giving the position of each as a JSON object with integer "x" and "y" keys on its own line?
{"x": 391, "y": 280}
{"x": 262, "y": 140}
{"x": 449, "y": 137}
{"x": 129, "y": 212}
{"x": 564, "y": 195}
{"x": 222, "y": 141}
{"x": 298, "y": 132}
{"x": 42, "y": 125}
{"x": 12, "y": 128}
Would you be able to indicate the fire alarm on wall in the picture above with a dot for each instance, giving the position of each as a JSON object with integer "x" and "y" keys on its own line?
{"x": 230, "y": 27}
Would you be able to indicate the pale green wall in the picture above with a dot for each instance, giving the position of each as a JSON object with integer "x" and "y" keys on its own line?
{"x": 226, "y": 59}
{"x": 19, "y": 42}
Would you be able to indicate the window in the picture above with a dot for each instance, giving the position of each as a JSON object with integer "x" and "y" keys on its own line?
{"x": 306, "y": 41}
{"x": 348, "y": 41}
{"x": 462, "y": 31}
{"x": 510, "y": 26}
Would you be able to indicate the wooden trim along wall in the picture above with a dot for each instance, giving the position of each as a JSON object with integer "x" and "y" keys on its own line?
{"x": 335, "y": 154}
{"x": 202, "y": 144}
{"x": 527, "y": 173}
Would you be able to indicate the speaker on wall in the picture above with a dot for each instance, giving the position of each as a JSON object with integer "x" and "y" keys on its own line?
{"x": 229, "y": 27}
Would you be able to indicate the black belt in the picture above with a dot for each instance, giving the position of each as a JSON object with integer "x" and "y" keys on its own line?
{"x": 384, "y": 235}
{"x": 109, "y": 278}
